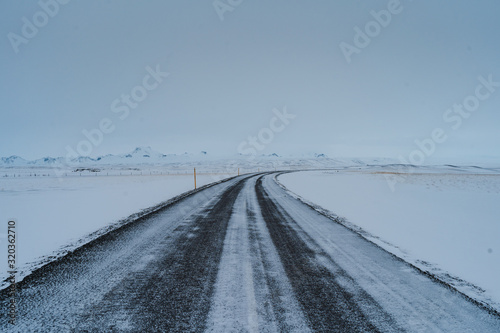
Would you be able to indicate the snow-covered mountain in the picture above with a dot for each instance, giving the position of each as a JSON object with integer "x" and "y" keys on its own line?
{"x": 149, "y": 156}
{"x": 140, "y": 155}
{"x": 13, "y": 161}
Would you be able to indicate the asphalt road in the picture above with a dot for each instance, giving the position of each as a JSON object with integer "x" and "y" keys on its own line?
{"x": 240, "y": 256}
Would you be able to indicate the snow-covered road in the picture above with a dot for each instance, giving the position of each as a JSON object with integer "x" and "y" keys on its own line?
{"x": 239, "y": 256}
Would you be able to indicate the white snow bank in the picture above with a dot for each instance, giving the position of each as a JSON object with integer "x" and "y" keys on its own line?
{"x": 446, "y": 224}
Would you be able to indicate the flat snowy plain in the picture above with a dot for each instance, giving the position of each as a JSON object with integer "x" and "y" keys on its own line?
{"x": 57, "y": 214}
{"x": 444, "y": 221}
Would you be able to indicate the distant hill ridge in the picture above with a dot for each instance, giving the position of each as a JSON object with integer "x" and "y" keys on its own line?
{"x": 140, "y": 155}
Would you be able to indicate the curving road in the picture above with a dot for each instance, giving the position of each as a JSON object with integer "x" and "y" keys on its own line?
{"x": 239, "y": 256}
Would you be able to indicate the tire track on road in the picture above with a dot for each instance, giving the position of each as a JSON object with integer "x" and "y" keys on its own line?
{"x": 326, "y": 304}
{"x": 252, "y": 290}
{"x": 174, "y": 292}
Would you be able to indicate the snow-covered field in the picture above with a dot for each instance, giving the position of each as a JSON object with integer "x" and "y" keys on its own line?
{"x": 59, "y": 204}
{"x": 56, "y": 214}
{"x": 444, "y": 221}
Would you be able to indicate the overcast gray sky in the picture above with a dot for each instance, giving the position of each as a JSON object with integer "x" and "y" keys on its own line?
{"x": 368, "y": 94}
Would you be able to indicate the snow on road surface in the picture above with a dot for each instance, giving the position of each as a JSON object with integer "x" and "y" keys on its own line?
{"x": 443, "y": 221}
{"x": 242, "y": 255}
{"x": 251, "y": 274}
